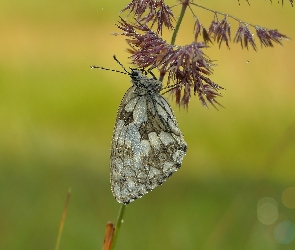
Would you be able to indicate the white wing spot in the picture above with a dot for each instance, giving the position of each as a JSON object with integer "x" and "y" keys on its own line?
{"x": 154, "y": 140}
{"x": 154, "y": 172}
{"x": 145, "y": 147}
{"x": 130, "y": 105}
{"x": 139, "y": 112}
{"x": 178, "y": 156}
{"x": 166, "y": 138}
{"x": 167, "y": 166}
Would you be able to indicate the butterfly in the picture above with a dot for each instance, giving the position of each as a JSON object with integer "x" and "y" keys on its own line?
{"x": 147, "y": 145}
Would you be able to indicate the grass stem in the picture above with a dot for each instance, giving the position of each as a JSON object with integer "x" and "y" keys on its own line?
{"x": 118, "y": 225}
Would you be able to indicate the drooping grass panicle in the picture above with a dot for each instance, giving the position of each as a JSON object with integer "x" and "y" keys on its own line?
{"x": 187, "y": 68}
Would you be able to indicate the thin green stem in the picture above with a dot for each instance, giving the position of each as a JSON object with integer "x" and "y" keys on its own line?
{"x": 183, "y": 9}
{"x": 118, "y": 225}
{"x": 185, "y": 3}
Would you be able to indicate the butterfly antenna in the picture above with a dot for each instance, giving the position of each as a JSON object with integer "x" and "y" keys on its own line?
{"x": 115, "y": 58}
{"x": 114, "y": 70}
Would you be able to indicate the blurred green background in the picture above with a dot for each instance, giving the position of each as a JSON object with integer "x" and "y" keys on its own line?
{"x": 235, "y": 189}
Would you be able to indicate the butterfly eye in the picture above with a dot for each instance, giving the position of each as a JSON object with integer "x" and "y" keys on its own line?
{"x": 134, "y": 74}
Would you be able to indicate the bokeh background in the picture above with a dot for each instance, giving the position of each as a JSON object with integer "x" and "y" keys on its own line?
{"x": 236, "y": 187}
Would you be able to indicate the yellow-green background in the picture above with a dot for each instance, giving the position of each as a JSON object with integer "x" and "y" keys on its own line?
{"x": 57, "y": 117}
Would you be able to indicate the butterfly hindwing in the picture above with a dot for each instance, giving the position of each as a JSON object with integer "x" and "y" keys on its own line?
{"x": 147, "y": 145}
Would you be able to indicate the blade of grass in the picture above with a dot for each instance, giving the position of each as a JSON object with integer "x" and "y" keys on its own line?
{"x": 63, "y": 218}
